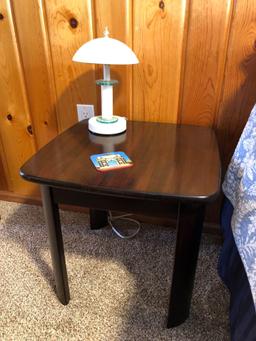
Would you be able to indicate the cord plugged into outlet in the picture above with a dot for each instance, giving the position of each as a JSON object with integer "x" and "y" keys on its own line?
{"x": 85, "y": 111}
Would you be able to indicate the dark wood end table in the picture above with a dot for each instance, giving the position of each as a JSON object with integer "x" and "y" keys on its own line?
{"x": 176, "y": 169}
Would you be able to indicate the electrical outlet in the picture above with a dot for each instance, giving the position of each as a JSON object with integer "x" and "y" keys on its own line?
{"x": 84, "y": 111}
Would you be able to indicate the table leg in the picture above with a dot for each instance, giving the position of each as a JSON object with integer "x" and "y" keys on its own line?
{"x": 189, "y": 230}
{"x": 51, "y": 212}
{"x": 98, "y": 219}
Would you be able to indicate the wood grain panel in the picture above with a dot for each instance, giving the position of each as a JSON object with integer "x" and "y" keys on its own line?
{"x": 75, "y": 82}
{"x": 239, "y": 94}
{"x": 117, "y": 16}
{"x": 158, "y": 41}
{"x": 209, "y": 23}
{"x": 197, "y": 66}
{"x": 16, "y": 135}
{"x": 36, "y": 59}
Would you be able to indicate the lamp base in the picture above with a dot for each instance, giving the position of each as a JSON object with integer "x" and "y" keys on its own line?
{"x": 101, "y": 127}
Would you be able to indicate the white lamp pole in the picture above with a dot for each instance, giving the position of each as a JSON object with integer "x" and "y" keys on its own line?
{"x": 106, "y": 95}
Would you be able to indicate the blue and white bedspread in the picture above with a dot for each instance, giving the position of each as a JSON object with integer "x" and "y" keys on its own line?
{"x": 240, "y": 188}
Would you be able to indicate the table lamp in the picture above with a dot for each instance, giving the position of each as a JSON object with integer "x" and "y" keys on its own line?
{"x": 106, "y": 51}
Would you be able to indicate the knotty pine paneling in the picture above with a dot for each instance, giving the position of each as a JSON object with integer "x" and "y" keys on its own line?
{"x": 238, "y": 95}
{"x": 197, "y": 66}
{"x": 205, "y": 57}
{"x": 36, "y": 58}
{"x": 70, "y": 24}
{"x": 158, "y": 33}
{"x": 118, "y": 19}
{"x": 16, "y": 136}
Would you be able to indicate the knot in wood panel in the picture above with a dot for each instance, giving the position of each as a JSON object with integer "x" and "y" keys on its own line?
{"x": 161, "y": 5}
{"x": 9, "y": 117}
{"x": 73, "y": 22}
{"x": 29, "y": 129}
{"x": 1, "y": 16}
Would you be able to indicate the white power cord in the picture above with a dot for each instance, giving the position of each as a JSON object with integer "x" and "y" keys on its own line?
{"x": 112, "y": 218}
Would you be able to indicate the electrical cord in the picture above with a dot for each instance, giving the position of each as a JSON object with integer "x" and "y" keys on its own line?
{"x": 112, "y": 218}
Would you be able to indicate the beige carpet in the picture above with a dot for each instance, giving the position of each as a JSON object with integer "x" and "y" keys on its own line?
{"x": 119, "y": 289}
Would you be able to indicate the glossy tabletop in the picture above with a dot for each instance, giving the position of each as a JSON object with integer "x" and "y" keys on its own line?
{"x": 170, "y": 161}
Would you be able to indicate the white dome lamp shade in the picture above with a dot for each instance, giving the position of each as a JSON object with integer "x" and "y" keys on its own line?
{"x": 106, "y": 51}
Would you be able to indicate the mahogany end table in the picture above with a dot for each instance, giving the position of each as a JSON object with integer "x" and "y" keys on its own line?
{"x": 176, "y": 169}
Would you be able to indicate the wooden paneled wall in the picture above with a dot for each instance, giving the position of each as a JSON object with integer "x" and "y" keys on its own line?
{"x": 197, "y": 66}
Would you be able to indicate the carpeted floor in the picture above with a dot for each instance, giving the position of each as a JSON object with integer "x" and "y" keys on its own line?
{"x": 119, "y": 288}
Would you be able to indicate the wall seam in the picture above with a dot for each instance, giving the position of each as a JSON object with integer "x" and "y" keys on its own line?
{"x": 223, "y": 77}
{"x": 49, "y": 59}
{"x": 183, "y": 62}
{"x": 20, "y": 66}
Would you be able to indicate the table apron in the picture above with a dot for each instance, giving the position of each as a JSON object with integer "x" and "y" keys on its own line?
{"x": 100, "y": 201}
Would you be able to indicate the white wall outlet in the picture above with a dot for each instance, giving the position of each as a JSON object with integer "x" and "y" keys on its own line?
{"x": 84, "y": 111}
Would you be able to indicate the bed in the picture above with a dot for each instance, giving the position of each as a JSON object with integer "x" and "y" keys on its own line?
{"x": 237, "y": 262}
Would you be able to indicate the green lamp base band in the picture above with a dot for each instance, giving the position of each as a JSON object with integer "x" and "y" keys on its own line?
{"x": 101, "y": 119}
{"x": 106, "y": 82}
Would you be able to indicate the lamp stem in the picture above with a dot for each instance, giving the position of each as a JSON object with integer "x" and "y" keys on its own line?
{"x": 106, "y": 95}
{"x": 106, "y": 72}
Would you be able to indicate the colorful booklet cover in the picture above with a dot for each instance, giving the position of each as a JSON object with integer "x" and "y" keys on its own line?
{"x": 109, "y": 161}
